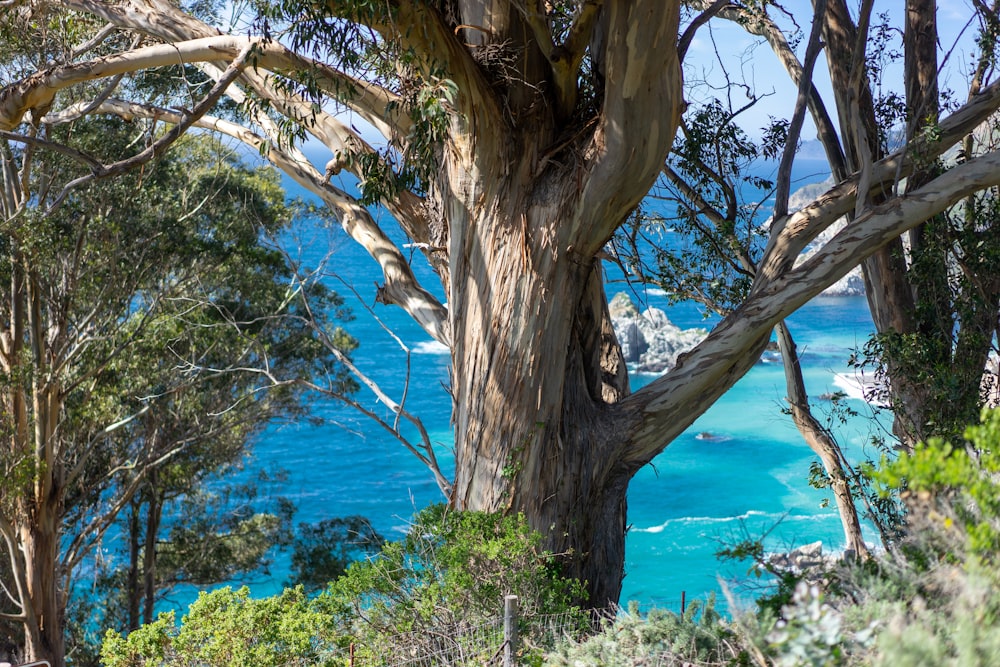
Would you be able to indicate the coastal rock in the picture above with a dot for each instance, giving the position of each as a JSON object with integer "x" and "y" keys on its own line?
{"x": 649, "y": 340}
{"x": 853, "y": 284}
{"x": 802, "y": 559}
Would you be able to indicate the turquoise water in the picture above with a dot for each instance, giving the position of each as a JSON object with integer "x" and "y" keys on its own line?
{"x": 748, "y": 476}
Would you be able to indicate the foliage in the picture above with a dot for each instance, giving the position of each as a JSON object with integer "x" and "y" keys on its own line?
{"x": 451, "y": 571}
{"x": 451, "y": 567}
{"x": 216, "y": 538}
{"x": 956, "y": 486}
{"x": 698, "y": 636}
{"x": 226, "y": 628}
{"x": 322, "y": 552}
{"x": 811, "y": 633}
{"x": 935, "y": 599}
{"x": 718, "y": 236}
{"x": 165, "y": 299}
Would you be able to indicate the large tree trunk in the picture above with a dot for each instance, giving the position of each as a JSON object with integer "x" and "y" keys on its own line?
{"x": 531, "y": 380}
{"x": 535, "y": 363}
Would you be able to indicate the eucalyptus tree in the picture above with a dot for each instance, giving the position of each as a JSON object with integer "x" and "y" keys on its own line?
{"x": 517, "y": 137}
{"x": 712, "y": 199}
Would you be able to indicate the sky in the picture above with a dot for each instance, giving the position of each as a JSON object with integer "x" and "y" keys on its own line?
{"x": 750, "y": 59}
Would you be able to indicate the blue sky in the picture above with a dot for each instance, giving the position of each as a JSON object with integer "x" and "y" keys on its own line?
{"x": 749, "y": 58}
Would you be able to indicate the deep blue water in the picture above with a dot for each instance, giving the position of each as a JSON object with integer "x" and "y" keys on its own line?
{"x": 751, "y": 474}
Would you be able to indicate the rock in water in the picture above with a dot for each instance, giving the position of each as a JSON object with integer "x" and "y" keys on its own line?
{"x": 649, "y": 340}
{"x": 853, "y": 284}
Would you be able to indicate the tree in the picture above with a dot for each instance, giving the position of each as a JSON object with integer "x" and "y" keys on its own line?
{"x": 519, "y": 138}
{"x": 149, "y": 332}
{"x": 933, "y": 292}
{"x": 701, "y": 197}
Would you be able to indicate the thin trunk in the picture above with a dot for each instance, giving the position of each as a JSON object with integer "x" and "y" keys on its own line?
{"x": 889, "y": 296}
{"x": 154, "y": 513}
{"x": 823, "y": 445}
{"x": 39, "y": 512}
{"x": 132, "y": 585}
{"x": 39, "y": 542}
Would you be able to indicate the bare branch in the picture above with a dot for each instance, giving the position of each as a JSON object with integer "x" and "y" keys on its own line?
{"x": 401, "y": 286}
{"x": 159, "y": 146}
{"x": 94, "y": 41}
{"x": 684, "y": 43}
{"x": 790, "y": 235}
{"x": 798, "y": 115}
{"x": 89, "y": 161}
{"x": 425, "y": 452}
{"x": 759, "y": 23}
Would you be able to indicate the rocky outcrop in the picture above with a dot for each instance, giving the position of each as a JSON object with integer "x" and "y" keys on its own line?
{"x": 650, "y": 342}
{"x": 801, "y": 559}
{"x": 853, "y": 284}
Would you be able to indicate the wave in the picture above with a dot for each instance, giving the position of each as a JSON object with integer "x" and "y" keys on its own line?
{"x": 431, "y": 347}
{"x": 860, "y": 387}
{"x": 711, "y": 436}
{"x": 752, "y": 514}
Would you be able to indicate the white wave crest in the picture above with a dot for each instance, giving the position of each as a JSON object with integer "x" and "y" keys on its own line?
{"x": 859, "y": 386}
{"x": 752, "y": 514}
{"x": 430, "y": 347}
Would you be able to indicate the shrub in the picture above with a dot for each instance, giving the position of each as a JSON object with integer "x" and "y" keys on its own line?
{"x": 452, "y": 571}
{"x": 444, "y": 583}
{"x": 699, "y": 636}
{"x": 227, "y": 628}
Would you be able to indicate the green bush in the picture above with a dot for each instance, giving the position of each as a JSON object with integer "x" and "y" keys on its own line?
{"x": 452, "y": 571}
{"x": 952, "y": 490}
{"x": 227, "y": 628}
{"x": 935, "y": 598}
{"x": 443, "y": 583}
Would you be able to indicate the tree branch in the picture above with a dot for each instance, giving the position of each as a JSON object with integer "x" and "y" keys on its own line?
{"x": 401, "y": 286}
{"x": 640, "y": 113}
{"x": 659, "y": 412}
{"x": 759, "y": 23}
{"x": 684, "y": 43}
{"x": 421, "y": 30}
{"x": 798, "y": 115}
{"x": 791, "y": 235}
{"x": 566, "y": 58}
{"x": 159, "y": 146}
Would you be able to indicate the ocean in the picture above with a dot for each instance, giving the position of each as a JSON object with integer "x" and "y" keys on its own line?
{"x": 741, "y": 469}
